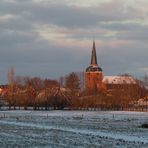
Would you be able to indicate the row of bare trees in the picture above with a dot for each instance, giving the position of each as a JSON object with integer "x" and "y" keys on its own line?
{"x": 68, "y": 92}
{"x": 36, "y": 92}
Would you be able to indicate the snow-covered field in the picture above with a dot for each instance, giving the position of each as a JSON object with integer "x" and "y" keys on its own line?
{"x": 73, "y": 129}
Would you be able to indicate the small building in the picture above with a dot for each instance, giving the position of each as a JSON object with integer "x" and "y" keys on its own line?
{"x": 118, "y": 82}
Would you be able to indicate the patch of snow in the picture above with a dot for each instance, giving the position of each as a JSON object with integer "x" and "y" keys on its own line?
{"x": 73, "y": 129}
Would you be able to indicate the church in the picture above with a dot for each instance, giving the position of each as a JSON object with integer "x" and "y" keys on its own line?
{"x": 96, "y": 82}
{"x": 94, "y": 74}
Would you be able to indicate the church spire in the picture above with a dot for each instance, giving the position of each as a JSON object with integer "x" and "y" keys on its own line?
{"x": 94, "y": 56}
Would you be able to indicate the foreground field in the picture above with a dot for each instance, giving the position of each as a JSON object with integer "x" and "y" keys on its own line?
{"x": 70, "y": 129}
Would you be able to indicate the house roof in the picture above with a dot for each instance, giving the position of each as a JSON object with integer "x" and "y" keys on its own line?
{"x": 119, "y": 80}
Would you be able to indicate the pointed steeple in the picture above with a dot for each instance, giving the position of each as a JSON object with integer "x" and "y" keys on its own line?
{"x": 94, "y": 56}
{"x": 93, "y": 67}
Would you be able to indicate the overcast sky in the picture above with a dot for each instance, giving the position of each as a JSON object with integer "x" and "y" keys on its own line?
{"x": 50, "y": 38}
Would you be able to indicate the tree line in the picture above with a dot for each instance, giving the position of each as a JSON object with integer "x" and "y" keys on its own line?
{"x": 68, "y": 92}
{"x": 36, "y": 92}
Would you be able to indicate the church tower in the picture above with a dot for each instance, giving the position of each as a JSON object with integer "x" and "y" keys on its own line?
{"x": 93, "y": 74}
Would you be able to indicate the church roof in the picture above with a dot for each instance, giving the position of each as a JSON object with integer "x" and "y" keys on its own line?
{"x": 93, "y": 55}
{"x": 93, "y": 65}
{"x": 119, "y": 80}
{"x": 92, "y": 68}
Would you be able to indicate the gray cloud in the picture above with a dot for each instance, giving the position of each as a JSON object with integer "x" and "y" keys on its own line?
{"x": 69, "y": 16}
{"x": 121, "y": 40}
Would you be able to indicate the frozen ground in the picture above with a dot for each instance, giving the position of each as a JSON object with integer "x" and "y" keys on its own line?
{"x": 73, "y": 129}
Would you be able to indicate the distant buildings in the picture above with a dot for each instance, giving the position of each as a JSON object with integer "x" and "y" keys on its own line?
{"x": 3, "y": 90}
{"x": 118, "y": 82}
{"x": 95, "y": 82}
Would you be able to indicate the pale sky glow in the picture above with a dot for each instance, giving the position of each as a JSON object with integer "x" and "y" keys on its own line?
{"x": 85, "y": 3}
{"x": 50, "y": 38}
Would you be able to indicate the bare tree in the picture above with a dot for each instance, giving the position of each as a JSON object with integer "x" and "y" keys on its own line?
{"x": 61, "y": 81}
{"x": 35, "y": 82}
{"x": 81, "y": 77}
{"x": 48, "y": 83}
{"x": 145, "y": 81}
{"x": 11, "y": 76}
{"x": 10, "y": 94}
{"x": 73, "y": 83}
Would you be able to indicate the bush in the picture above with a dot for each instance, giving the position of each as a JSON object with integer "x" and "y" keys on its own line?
{"x": 145, "y": 125}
